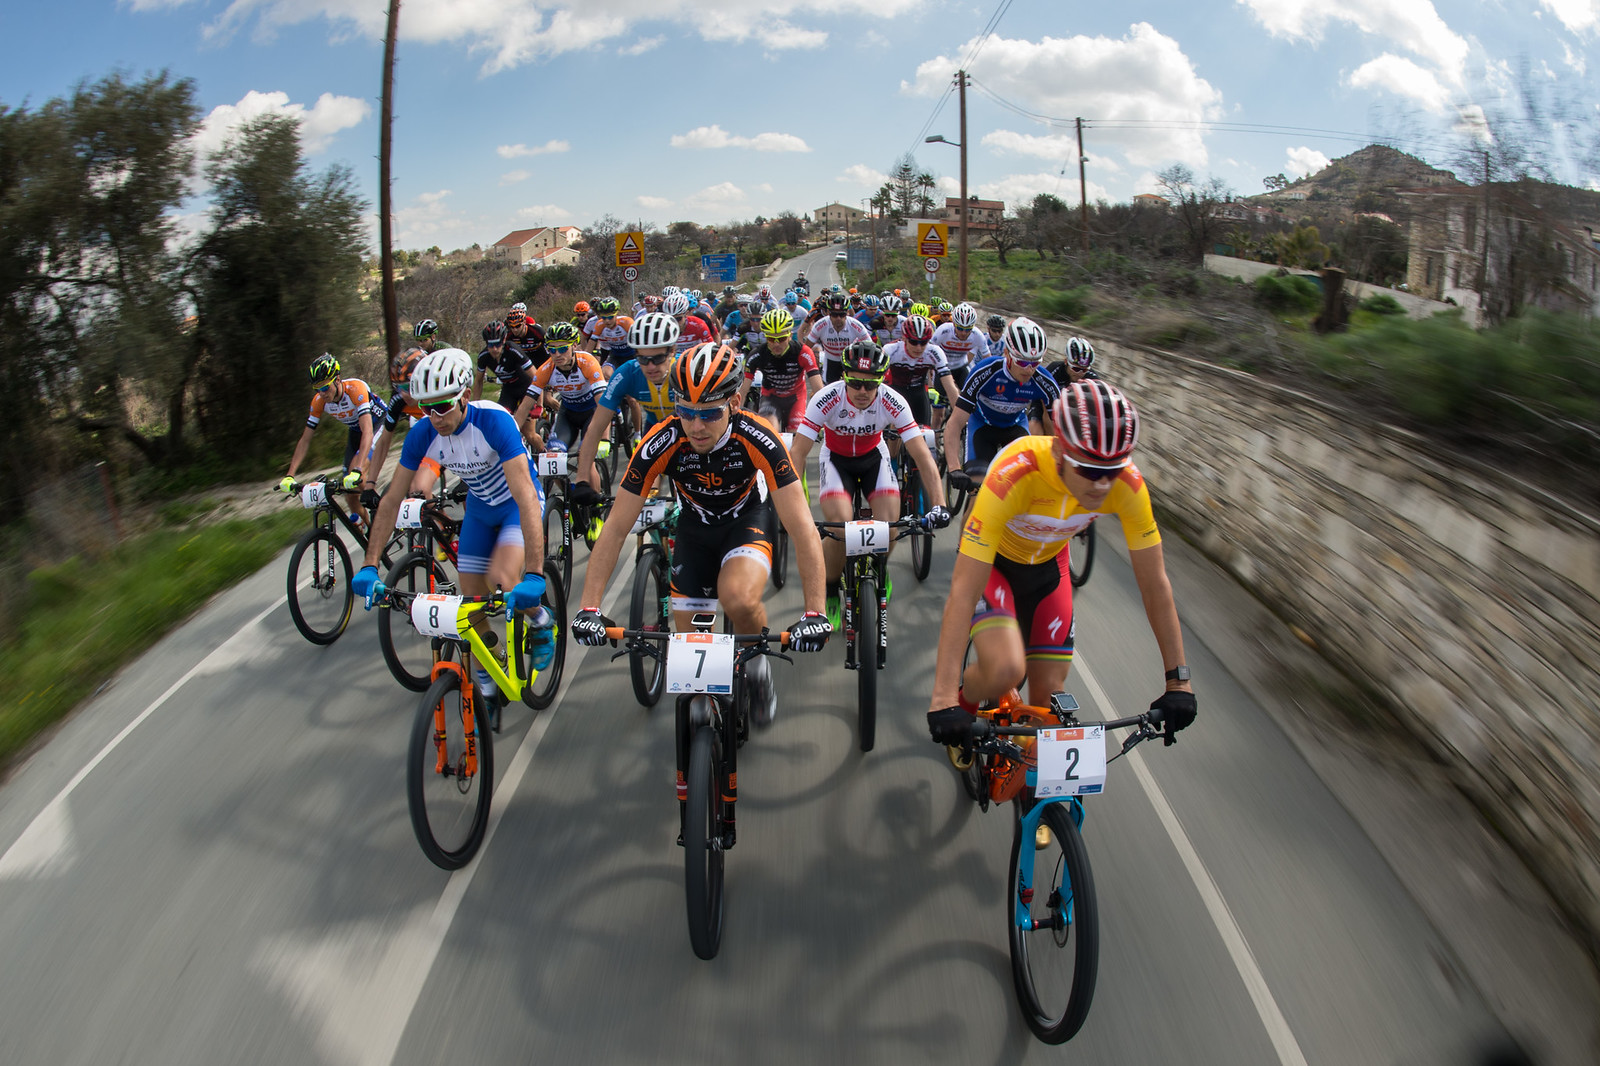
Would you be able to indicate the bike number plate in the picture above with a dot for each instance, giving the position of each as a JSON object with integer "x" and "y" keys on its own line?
{"x": 652, "y": 512}
{"x": 434, "y": 614}
{"x": 928, "y": 435}
{"x": 866, "y": 538}
{"x": 552, "y": 464}
{"x": 788, "y": 441}
{"x": 314, "y": 495}
{"x": 700, "y": 662}
{"x": 410, "y": 515}
{"x": 1072, "y": 762}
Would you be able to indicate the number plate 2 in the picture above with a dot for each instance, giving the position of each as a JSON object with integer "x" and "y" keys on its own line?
{"x": 866, "y": 538}
{"x": 1072, "y": 762}
{"x": 410, "y": 515}
{"x": 434, "y": 614}
{"x": 314, "y": 495}
{"x": 552, "y": 464}
{"x": 700, "y": 662}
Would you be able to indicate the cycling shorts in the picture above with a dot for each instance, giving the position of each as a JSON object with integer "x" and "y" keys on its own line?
{"x": 614, "y": 357}
{"x": 985, "y": 441}
{"x": 484, "y": 528}
{"x": 352, "y": 444}
{"x": 782, "y": 411}
{"x": 832, "y": 369}
{"x": 869, "y": 474}
{"x": 959, "y": 373}
{"x": 569, "y": 426}
{"x": 512, "y": 395}
{"x": 702, "y": 549}
{"x": 915, "y": 390}
{"x": 1037, "y": 599}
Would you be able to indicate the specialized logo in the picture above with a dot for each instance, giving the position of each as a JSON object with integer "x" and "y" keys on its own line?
{"x": 1054, "y": 627}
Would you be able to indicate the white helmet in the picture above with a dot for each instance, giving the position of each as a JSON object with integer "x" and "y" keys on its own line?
{"x": 891, "y": 305}
{"x": 1080, "y": 353}
{"x": 653, "y": 329}
{"x": 442, "y": 375}
{"x": 676, "y": 304}
{"x": 965, "y": 316}
{"x": 668, "y": 291}
{"x": 1025, "y": 340}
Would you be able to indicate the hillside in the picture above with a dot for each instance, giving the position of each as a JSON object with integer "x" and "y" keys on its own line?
{"x": 1368, "y": 179}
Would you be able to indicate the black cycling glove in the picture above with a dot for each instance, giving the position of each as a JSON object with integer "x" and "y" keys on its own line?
{"x": 1178, "y": 710}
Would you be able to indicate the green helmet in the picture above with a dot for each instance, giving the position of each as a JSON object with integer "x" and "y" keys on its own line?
{"x": 324, "y": 368}
{"x": 777, "y": 323}
{"x": 608, "y": 305}
{"x": 562, "y": 333}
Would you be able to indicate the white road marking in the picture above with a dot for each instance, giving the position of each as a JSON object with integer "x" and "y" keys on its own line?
{"x": 46, "y": 848}
{"x": 1244, "y": 960}
{"x": 358, "y": 985}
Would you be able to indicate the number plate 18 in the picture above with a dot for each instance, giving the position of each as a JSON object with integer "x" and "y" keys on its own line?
{"x": 1072, "y": 762}
{"x": 314, "y": 495}
{"x": 700, "y": 662}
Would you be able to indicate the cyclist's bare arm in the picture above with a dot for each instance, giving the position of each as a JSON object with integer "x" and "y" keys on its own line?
{"x": 300, "y": 451}
{"x": 1150, "y": 571}
{"x": 603, "y": 557}
{"x": 794, "y": 511}
{"x": 519, "y": 478}
{"x": 966, "y": 585}
{"x": 388, "y": 509}
{"x": 932, "y": 483}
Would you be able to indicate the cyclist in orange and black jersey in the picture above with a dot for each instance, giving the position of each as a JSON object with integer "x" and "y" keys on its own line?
{"x": 351, "y": 402}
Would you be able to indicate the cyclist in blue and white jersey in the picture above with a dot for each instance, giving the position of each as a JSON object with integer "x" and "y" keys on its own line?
{"x": 502, "y": 532}
{"x": 640, "y": 384}
{"x": 992, "y": 409}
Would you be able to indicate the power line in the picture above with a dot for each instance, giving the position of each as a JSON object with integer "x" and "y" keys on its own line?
{"x": 934, "y": 117}
{"x": 987, "y": 31}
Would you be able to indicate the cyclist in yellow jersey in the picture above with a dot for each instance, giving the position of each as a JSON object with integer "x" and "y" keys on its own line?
{"x": 1011, "y": 590}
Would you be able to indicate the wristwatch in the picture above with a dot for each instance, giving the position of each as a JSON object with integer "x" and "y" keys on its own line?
{"x": 1178, "y": 673}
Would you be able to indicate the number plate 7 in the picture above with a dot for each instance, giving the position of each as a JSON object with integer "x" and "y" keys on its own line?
{"x": 700, "y": 662}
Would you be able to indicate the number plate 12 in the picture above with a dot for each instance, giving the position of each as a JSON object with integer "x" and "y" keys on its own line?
{"x": 1072, "y": 762}
{"x": 700, "y": 662}
{"x": 866, "y": 538}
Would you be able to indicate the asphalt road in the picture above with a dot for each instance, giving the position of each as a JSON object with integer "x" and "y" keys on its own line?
{"x": 212, "y": 863}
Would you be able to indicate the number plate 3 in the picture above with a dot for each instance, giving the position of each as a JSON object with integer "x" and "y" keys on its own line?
{"x": 410, "y": 515}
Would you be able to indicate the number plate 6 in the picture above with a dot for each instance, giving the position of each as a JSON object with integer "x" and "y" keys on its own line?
{"x": 866, "y": 538}
{"x": 314, "y": 495}
{"x": 1072, "y": 762}
{"x": 700, "y": 662}
{"x": 410, "y": 515}
{"x": 434, "y": 615}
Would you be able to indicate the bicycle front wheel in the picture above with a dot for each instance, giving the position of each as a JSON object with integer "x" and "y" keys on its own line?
{"x": 540, "y": 692}
{"x": 1082, "y": 558}
{"x": 449, "y": 775}
{"x": 916, "y": 505}
{"x": 558, "y": 535}
{"x": 649, "y": 611}
{"x": 867, "y": 662}
{"x": 320, "y": 597}
{"x": 702, "y": 844}
{"x": 1055, "y": 962}
{"x": 409, "y": 653}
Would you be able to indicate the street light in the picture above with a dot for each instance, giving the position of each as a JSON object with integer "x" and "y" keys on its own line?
{"x": 939, "y": 138}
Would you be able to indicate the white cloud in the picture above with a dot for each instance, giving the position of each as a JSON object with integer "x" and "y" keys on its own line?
{"x": 654, "y": 203}
{"x": 517, "y": 151}
{"x": 1018, "y": 190}
{"x": 1303, "y": 161}
{"x": 541, "y": 214}
{"x": 509, "y": 33}
{"x": 1472, "y": 123}
{"x": 1572, "y": 59}
{"x": 861, "y": 174}
{"x": 1055, "y": 146}
{"x": 1576, "y": 15}
{"x": 715, "y": 203}
{"x": 318, "y": 125}
{"x": 1143, "y": 76}
{"x": 1403, "y": 78}
{"x": 1413, "y": 25}
{"x": 511, "y": 177}
{"x": 949, "y": 186}
{"x": 426, "y": 220}
{"x": 717, "y": 137}
{"x": 639, "y": 48}
{"x": 765, "y": 186}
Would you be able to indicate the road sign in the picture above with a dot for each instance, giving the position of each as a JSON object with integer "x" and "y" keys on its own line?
{"x": 631, "y": 274}
{"x": 932, "y": 277}
{"x": 859, "y": 259}
{"x": 933, "y": 239}
{"x": 721, "y": 267}
{"x": 931, "y": 265}
{"x": 630, "y": 248}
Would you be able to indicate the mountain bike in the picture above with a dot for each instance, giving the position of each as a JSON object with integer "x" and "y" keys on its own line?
{"x": 320, "y": 598}
{"x": 1043, "y": 761}
{"x": 450, "y": 760}
{"x": 1081, "y": 560}
{"x": 563, "y": 514}
{"x": 706, "y": 672}
{"x": 431, "y": 533}
{"x": 914, "y": 504}
{"x": 651, "y": 606}
{"x": 864, "y": 606}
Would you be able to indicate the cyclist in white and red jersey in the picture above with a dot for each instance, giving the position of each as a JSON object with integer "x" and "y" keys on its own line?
{"x": 849, "y": 416}
{"x": 692, "y": 330}
{"x": 961, "y": 343}
{"x": 835, "y": 332}
{"x": 911, "y": 359}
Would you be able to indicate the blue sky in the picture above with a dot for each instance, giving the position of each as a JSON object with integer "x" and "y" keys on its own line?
{"x": 513, "y": 113}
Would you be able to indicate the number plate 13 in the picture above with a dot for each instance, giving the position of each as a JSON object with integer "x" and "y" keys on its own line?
{"x": 700, "y": 662}
{"x": 1072, "y": 762}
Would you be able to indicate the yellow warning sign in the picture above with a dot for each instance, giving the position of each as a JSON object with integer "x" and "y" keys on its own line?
{"x": 630, "y": 248}
{"x": 933, "y": 239}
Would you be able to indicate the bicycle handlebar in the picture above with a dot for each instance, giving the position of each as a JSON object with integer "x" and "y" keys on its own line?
{"x": 661, "y": 637}
{"x": 904, "y": 525}
{"x": 984, "y": 734}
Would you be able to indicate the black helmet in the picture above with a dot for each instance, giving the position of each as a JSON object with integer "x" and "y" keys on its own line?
{"x": 865, "y": 357}
{"x": 837, "y": 304}
{"x": 494, "y": 333}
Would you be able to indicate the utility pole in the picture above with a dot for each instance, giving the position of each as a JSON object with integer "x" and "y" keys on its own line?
{"x": 391, "y": 314}
{"x": 961, "y": 86}
{"x": 1483, "y": 263}
{"x": 1083, "y": 190}
{"x": 872, "y": 221}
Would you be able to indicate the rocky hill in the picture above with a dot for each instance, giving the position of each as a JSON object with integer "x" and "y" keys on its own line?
{"x": 1368, "y": 179}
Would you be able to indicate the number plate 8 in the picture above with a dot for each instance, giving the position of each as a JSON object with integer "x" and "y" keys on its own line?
{"x": 866, "y": 538}
{"x": 434, "y": 615}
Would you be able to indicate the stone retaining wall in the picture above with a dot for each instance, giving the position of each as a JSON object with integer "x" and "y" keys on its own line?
{"x": 1464, "y": 597}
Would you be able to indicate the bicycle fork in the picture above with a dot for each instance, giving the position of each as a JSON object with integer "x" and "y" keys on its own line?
{"x": 468, "y": 769}
{"x": 1060, "y": 903}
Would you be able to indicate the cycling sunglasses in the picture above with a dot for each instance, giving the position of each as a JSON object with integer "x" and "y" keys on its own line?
{"x": 1026, "y": 362}
{"x": 652, "y": 360}
{"x": 916, "y": 344}
{"x": 438, "y": 407}
{"x": 1095, "y": 473}
{"x": 692, "y": 414}
{"x": 862, "y": 384}
{"x": 325, "y": 386}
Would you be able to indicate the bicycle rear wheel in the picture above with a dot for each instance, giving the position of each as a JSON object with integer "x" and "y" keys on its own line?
{"x": 1082, "y": 558}
{"x": 540, "y": 692}
{"x": 867, "y": 662}
{"x": 915, "y": 506}
{"x": 649, "y": 611}
{"x": 702, "y": 844}
{"x": 409, "y": 653}
{"x": 1054, "y": 965}
{"x": 320, "y": 597}
{"x": 448, "y": 796}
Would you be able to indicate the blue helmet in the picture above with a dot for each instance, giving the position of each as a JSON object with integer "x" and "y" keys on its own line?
{"x": 790, "y": 298}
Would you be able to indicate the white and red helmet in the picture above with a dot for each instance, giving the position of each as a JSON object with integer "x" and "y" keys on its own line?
{"x": 1097, "y": 420}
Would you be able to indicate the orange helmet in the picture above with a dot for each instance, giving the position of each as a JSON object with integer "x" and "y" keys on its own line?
{"x": 404, "y": 363}
{"x": 581, "y": 307}
{"x": 707, "y": 374}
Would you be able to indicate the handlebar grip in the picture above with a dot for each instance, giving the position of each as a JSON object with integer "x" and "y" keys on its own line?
{"x": 615, "y": 632}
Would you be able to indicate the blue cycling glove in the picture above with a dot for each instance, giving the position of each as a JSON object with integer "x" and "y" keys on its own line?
{"x": 528, "y": 592}
{"x": 362, "y": 584}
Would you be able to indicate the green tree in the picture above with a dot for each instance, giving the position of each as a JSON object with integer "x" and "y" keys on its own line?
{"x": 1275, "y": 182}
{"x": 1194, "y": 205}
{"x": 276, "y": 283}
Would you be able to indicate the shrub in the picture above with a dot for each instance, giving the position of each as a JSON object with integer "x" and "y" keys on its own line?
{"x": 1068, "y": 304}
{"x": 1381, "y": 303}
{"x": 1288, "y": 292}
